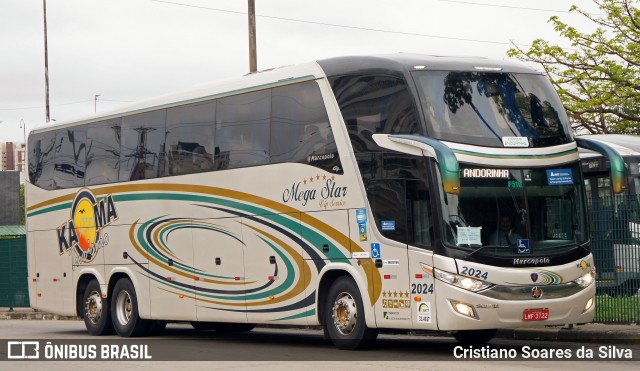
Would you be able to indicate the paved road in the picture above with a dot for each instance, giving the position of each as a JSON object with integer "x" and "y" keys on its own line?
{"x": 277, "y": 349}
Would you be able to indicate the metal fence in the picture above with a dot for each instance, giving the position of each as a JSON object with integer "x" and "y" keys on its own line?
{"x": 615, "y": 233}
{"x": 14, "y": 290}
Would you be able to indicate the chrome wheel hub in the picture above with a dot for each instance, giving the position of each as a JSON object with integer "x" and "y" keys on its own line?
{"x": 345, "y": 313}
{"x": 124, "y": 307}
{"x": 93, "y": 307}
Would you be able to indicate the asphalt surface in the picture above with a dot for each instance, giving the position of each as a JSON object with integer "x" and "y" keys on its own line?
{"x": 585, "y": 333}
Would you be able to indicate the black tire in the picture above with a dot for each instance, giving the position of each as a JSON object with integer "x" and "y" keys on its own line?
{"x": 95, "y": 310}
{"x": 349, "y": 330}
{"x": 202, "y": 326}
{"x": 124, "y": 311}
{"x": 156, "y": 328}
{"x": 475, "y": 337}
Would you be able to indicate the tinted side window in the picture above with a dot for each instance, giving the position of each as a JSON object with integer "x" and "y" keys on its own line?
{"x": 374, "y": 105}
{"x": 142, "y": 154}
{"x": 190, "y": 146}
{"x": 70, "y": 158}
{"x": 242, "y": 130}
{"x": 387, "y": 200}
{"x": 103, "y": 152}
{"x": 397, "y": 188}
{"x": 419, "y": 221}
{"x": 300, "y": 129}
{"x": 41, "y": 159}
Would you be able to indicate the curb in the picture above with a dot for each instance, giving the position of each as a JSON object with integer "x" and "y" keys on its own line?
{"x": 29, "y": 315}
{"x": 590, "y": 334}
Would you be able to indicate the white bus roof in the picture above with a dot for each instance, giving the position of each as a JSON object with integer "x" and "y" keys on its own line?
{"x": 399, "y": 63}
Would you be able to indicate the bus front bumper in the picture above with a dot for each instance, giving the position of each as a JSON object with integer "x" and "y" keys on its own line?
{"x": 459, "y": 309}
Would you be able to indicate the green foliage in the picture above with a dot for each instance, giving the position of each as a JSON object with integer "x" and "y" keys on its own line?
{"x": 598, "y": 79}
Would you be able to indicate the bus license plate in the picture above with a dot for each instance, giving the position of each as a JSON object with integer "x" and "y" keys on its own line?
{"x": 535, "y": 315}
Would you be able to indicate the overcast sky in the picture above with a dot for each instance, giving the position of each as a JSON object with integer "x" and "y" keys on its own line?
{"x": 130, "y": 50}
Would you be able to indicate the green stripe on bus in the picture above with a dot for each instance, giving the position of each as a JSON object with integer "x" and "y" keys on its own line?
{"x": 310, "y": 312}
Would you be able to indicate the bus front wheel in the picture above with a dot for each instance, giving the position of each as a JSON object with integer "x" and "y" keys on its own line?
{"x": 124, "y": 311}
{"x": 95, "y": 310}
{"x": 344, "y": 316}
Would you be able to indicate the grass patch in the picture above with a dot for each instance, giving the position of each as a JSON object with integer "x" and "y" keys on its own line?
{"x": 625, "y": 309}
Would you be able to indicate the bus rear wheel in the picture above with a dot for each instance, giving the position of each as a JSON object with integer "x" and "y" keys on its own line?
{"x": 344, "y": 317}
{"x": 474, "y": 337}
{"x": 124, "y": 311}
{"x": 95, "y": 310}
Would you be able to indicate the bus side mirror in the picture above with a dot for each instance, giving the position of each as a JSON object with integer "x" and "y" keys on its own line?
{"x": 617, "y": 167}
{"x": 422, "y": 146}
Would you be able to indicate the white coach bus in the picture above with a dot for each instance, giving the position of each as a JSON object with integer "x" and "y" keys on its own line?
{"x": 356, "y": 193}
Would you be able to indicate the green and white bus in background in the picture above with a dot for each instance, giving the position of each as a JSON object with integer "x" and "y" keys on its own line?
{"x": 356, "y": 193}
{"x": 612, "y": 180}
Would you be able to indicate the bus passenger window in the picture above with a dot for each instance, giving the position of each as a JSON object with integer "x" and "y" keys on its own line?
{"x": 142, "y": 149}
{"x": 300, "y": 129}
{"x": 70, "y": 157}
{"x": 374, "y": 105}
{"x": 242, "y": 130}
{"x": 103, "y": 152}
{"x": 190, "y": 146}
{"x": 41, "y": 159}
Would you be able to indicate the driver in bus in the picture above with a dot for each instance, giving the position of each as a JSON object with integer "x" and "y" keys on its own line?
{"x": 504, "y": 235}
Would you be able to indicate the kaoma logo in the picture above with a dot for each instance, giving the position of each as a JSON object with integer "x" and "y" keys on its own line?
{"x": 82, "y": 232}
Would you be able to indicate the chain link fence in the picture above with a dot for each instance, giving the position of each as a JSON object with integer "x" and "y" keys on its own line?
{"x": 615, "y": 232}
{"x": 14, "y": 291}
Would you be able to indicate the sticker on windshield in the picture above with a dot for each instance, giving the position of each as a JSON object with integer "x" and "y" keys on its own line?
{"x": 469, "y": 235}
{"x": 523, "y": 246}
{"x": 388, "y": 225}
{"x": 515, "y": 141}
{"x": 559, "y": 176}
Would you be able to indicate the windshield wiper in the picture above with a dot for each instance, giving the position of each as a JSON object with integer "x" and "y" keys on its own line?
{"x": 482, "y": 247}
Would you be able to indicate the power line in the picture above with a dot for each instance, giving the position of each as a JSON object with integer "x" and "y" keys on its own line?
{"x": 34, "y": 107}
{"x": 115, "y": 100}
{"x": 510, "y": 7}
{"x": 340, "y": 25}
{"x": 64, "y": 104}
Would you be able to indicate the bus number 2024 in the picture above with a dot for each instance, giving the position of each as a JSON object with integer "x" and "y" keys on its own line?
{"x": 422, "y": 288}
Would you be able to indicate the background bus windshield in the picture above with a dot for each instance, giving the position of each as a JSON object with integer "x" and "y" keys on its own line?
{"x": 517, "y": 212}
{"x": 482, "y": 107}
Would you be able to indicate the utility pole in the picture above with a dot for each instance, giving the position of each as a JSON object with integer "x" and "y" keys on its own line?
{"x": 253, "y": 60}
{"x": 46, "y": 62}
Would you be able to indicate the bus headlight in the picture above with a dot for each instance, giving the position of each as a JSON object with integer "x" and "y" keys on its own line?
{"x": 464, "y": 309}
{"x": 588, "y": 305}
{"x": 466, "y": 283}
{"x": 587, "y": 279}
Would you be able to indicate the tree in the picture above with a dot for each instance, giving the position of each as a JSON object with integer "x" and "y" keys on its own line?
{"x": 598, "y": 79}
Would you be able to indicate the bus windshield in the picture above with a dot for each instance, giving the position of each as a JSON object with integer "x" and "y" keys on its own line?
{"x": 516, "y": 212}
{"x": 484, "y": 107}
